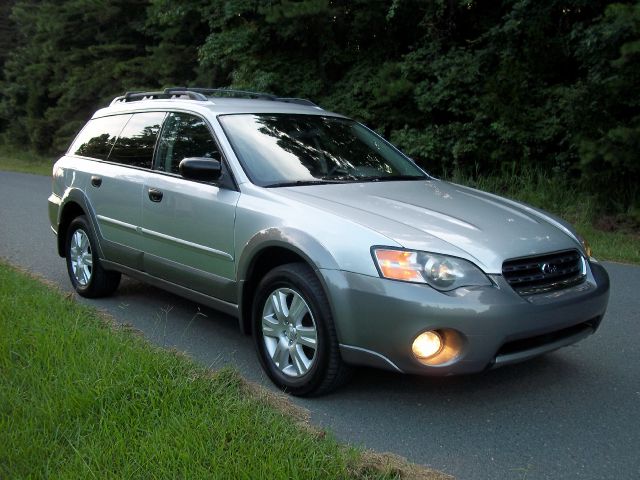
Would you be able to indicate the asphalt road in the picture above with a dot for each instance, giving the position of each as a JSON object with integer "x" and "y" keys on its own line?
{"x": 573, "y": 414}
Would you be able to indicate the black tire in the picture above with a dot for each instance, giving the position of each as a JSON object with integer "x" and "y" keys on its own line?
{"x": 327, "y": 370}
{"x": 101, "y": 282}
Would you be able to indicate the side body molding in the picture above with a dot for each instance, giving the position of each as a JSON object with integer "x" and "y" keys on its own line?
{"x": 107, "y": 250}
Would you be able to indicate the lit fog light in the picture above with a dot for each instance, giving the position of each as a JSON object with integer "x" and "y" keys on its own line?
{"x": 427, "y": 344}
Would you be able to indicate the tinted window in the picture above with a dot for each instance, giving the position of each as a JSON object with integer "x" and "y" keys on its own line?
{"x": 98, "y": 136}
{"x": 183, "y": 136}
{"x": 282, "y": 149}
{"x": 137, "y": 141}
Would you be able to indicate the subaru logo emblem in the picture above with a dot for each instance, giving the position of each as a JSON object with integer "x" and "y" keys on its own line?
{"x": 549, "y": 268}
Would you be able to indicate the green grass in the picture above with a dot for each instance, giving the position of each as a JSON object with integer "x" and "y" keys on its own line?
{"x": 13, "y": 159}
{"x": 614, "y": 246}
{"x": 83, "y": 398}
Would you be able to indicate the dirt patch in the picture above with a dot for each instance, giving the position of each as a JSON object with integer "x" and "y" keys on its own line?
{"x": 396, "y": 466}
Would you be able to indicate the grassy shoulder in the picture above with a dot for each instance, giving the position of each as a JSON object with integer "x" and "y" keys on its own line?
{"x": 81, "y": 397}
{"x": 13, "y": 159}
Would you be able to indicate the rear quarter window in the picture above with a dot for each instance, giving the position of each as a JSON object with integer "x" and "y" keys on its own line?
{"x": 137, "y": 141}
{"x": 98, "y": 136}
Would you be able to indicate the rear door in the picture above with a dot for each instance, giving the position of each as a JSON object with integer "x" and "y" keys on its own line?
{"x": 188, "y": 226}
{"x": 117, "y": 196}
{"x": 121, "y": 147}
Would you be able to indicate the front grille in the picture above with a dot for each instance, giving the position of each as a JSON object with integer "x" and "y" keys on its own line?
{"x": 543, "y": 273}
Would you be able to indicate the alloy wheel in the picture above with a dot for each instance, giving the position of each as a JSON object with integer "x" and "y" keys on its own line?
{"x": 289, "y": 332}
{"x": 81, "y": 257}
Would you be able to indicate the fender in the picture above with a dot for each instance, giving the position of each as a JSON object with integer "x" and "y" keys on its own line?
{"x": 294, "y": 240}
{"x": 77, "y": 196}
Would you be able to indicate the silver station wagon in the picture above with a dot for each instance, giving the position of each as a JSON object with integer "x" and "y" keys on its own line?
{"x": 331, "y": 247}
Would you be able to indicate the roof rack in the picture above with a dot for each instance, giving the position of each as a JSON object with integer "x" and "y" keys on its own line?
{"x": 228, "y": 92}
{"x": 203, "y": 94}
{"x": 299, "y": 101}
{"x": 165, "y": 95}
{"x": 223, "y": 92}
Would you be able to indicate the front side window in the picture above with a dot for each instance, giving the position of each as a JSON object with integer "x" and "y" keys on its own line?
{"x": 136, "y": 143}
{"x": 183, "y": 136}
{"x": 286, "y": 149}
{"x": 98, "y": 136}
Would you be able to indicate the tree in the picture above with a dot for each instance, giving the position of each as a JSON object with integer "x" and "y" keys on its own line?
{"x": 71, "y": 57}
{"x": 460, "y": 85}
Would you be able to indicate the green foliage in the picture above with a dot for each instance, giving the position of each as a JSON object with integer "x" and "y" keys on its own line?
{"x": 7, "y": 31}
{"x": 71, "y": 57}
{"x": 609, "y": 137}
{"x": 475, "y": 87}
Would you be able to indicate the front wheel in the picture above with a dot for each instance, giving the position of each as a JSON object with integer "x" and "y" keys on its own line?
{"x": 294, "y": 332}
{"x": 87, "y": 276}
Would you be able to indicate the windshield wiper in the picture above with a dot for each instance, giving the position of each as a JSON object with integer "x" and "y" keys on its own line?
{"x": 300, "y": 183}
{"x": 391, "y": 178}
{"x": 345, "y": 179}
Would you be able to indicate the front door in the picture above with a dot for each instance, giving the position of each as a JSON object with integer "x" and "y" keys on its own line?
{"x": 188, "y": 226}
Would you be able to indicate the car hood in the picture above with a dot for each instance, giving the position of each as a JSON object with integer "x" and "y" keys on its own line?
{"x": 438, "y": 216}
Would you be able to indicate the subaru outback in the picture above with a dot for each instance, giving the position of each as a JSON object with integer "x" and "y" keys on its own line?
{"x": 331, "y": 247}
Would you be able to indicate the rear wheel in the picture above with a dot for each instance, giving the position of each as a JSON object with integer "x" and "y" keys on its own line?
{"x": 87, "y": 276}
{"x": 294, "y": 332}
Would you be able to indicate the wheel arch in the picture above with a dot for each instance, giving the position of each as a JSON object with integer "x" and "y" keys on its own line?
{"x": 74, "y": 204}
{"x": 270, "y": 249}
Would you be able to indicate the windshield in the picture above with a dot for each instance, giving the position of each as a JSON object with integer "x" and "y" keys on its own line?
{"x": 285, "y": 149}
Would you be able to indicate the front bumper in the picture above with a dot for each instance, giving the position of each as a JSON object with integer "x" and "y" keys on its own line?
{"x": 378, "y": 319}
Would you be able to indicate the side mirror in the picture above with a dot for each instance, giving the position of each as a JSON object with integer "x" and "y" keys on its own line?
{"x": 200, "y": 168}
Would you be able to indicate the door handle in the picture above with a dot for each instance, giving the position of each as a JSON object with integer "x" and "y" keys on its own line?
{"x": 96, "y": 181}
{"x": 155, "y": 195}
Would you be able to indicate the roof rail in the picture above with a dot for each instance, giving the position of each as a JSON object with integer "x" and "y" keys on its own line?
{"x": 202, "y": 94}
{"x": 175, "y": 93}
{"x": 228, "y": 92}
{"x": 299, "y": 101}
{"x": 222, "y": 92}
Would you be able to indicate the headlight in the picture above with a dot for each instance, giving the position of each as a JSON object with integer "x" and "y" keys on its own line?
{"x": 440, "y": 271}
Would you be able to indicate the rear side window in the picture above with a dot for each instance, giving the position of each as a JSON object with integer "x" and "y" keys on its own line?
{"x": 136, "y": 143}
{"x": 98, "y": 136}
{"x": 183, "y": 136}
